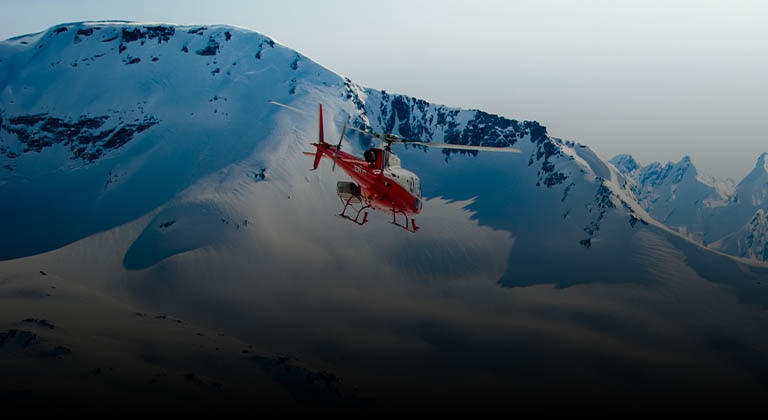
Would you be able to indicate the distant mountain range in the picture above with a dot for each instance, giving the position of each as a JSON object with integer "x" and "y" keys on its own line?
{"x": 144, "y": 170}
{"x": 719, "y": 214}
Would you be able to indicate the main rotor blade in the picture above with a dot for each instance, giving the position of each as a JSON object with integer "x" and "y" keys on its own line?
{"x": 288, "y": 107}
{"x": 397, "y": 139}
{"x": 462, "y": 146}
{"x": 338, "y": 147}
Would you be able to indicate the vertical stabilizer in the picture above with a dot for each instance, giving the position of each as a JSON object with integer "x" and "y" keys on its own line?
{"x": 320, "y": 138}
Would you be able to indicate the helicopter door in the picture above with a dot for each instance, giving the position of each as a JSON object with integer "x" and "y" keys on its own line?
{"x": 383, "y": 160}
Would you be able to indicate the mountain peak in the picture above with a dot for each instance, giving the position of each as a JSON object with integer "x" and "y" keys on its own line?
{"x": 761, "y": 165}
{"x": 685, "y": 168}
{"x": 625, "y": 163}
{"x": 762, "y": 161}
{"x": 759, "y": 172}
{"x": 671, "y": 173}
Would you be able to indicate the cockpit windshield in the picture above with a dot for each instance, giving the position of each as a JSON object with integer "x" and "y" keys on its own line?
{"x": 405, "y": 179}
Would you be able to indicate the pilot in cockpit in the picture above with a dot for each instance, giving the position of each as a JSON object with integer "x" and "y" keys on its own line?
{"x": 370, "y": 156}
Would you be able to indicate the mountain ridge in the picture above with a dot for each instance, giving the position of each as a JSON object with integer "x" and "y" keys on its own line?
{"x": 722, "y": 215}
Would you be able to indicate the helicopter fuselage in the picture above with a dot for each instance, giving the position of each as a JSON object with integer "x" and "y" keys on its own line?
{"x": 383, "y": 184}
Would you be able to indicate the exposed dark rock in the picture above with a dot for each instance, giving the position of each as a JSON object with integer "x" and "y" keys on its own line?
{"x": 211, "y": 49}
{"x": 554, "y": 178}
{"x": 567, "y": 191}
{"x": 85, "y": 137}
{"x": 603, "y": 202}
{"x": 603, "y": 197}
{"x": 261, "y": 175}
{"x": 491, "y": 130}
{"x": 161, "y": 33}
{"x": 198, "y": 31}
{"x": 27, "y": 119}
{"x": 417, "y": 119}
{"x": 131, "y": 35}
{"x": 268, "y": 42}
{"x": 83, "y": 32}
{"x": 546, "y": 149}
{"x": 634, "y": 219}
{"x": 353, "y": 94}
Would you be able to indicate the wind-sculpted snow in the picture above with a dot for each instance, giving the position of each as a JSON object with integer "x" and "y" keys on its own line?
{"x": 176, "y": 230}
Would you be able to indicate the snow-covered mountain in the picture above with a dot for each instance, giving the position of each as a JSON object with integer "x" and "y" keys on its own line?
{"x": 720, "y": 214}
{"x": 751, "y": 239}
{"x": 147, "y": 111}
{"x": 144, "y": 170}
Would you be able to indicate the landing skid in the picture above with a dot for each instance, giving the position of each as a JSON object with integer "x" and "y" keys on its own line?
{"x": 349, "y": 193}
{"x": 408, "y": 223}
{"x": 360, "y": 211}
{"x": 410, "y": 227}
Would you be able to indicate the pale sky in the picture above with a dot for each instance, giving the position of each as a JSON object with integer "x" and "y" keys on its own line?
{"x": 657, "y": 79}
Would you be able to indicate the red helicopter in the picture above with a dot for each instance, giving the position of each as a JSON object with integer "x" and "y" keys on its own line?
{"x": 380, "y": 183}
